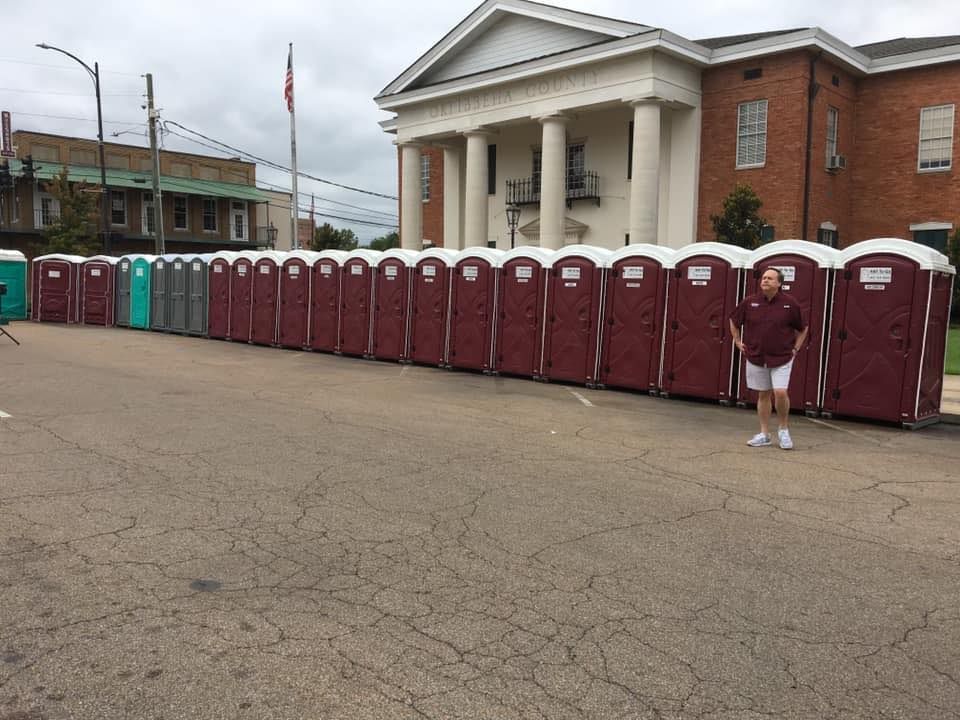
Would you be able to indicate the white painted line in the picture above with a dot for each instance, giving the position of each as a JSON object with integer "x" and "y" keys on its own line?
{"x": 848, "y": 432}
{"x": 403, "y": 371}
{"x": 580, "y": 397}
{"x": 4, "y": 415}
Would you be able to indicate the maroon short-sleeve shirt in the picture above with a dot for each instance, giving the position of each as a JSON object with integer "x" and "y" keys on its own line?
{"x": 770, "y": 327}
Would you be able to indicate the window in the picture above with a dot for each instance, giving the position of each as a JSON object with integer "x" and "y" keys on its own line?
{"x": 120, "y": 162}
{"x": 148, "y": 217}
{"x": 82, "y": 157}
{"x": 118, "y": 207}
{"x": 238, "y": 220}
{"x": 178, "y": 169}
{"x": 827, "y": 235}
{"x": 936, "y": 138}
{"x": 833, "y": 118}
{"x": 630, "y": 151}
{"x": 752, "y": 134}
{"x": 932, "y": 234}
{"x": 424, "y": 177}
{"x": 753, "y": 73}
{"x": 180, "y": 212}
{"x": 491, "y": 169}
{"x": 50, "y": 153}
{"x": 209, "y": 214}
{"x": 576, "y": 167}
{"x": 49, "y": 210}
{"x": 537, "y": 170}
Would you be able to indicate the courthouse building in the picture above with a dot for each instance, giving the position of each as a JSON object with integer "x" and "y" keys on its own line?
{"x": 609, "y": 132}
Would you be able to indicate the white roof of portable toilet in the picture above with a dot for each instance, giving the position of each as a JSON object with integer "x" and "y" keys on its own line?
{"x": 139, "y": 256}
{"x": 370, "y": 257}
{"x": 273, "y": 256}
{"x": 61, "y": 256}
{"x": 12, "y": 256}
{"x": 448, "y": 256}
{"x": 491, "y": 255}
{"x": 926, "y": 257}
{"x": 541, "y": 255}
{"x": 103, "y": 258}
{"x": 598, "y": 255}
{"x": 736, "y": 256}
{"x": 407, "y": 257}
{"x": 338, "y": 256}
{"x": 251, "y": 255}
{"x": 662, "y": 254}
{"x": 310, "y": 257}
{"x": 824, "y": 255}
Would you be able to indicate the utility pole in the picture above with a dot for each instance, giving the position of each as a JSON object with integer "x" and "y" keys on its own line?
{"x": 155, "y": 157}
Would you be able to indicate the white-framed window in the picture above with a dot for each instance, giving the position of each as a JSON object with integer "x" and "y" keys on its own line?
{"x": 935, "y": 151}
{"x": 48, "y": 210}
{"x": 537, "y": 169}
{"x": 210, "y": 214}
{"x": 238, "y": 220}
{"x": 576, "y": 166}
{"x": 827, "y": 234}
{"x": 148, "y": 219}
{"x": 118, "y": 207}
{"x": 833, "y": 122}
{"x": 752, "y": 134}
{"x": 180, "y": 213}
{"x": 932, "y": 234}
{"x": 424, "y": 177}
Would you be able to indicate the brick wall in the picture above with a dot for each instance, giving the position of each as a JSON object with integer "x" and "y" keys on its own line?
{"x": 432, "y": 208}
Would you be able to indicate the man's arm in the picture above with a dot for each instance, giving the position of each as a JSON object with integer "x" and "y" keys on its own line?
{"x": 801, "y": 339}
{"x": 735, "y": 334}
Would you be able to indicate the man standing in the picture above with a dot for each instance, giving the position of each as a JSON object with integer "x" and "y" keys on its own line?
{"x": 774, "y": 332}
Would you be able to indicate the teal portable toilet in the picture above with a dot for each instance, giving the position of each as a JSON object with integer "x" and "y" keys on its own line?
{"x": 140, "y": 290}
{"x": 13, "y": 272}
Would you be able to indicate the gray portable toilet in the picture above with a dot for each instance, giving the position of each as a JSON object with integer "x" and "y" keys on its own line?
{"x": 197, "y": 294}
{"x": 123, "y": 288}
{"x": 161, "y": 270}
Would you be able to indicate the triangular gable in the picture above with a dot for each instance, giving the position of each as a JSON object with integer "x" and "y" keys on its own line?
{"x": 505, "y": 32}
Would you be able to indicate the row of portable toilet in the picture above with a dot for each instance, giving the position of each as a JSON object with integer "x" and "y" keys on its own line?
{"x": 643, "y": 317}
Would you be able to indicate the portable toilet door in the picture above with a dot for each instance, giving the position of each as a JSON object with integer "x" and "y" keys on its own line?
{"x": 265, "y": 300}
{"x": 121, "y": 311}
{"x": 178, "y": 292}
{"x": 219, "y": 272}
{"x": 520, "y": 300}
{"x": 99, "y": 291}
{"x": 704, "y": 289}
{"x": 888, "y": 332}
{"x": 430, "y": 307}
{"x": 13, "y": 273}
{"x": 634, "y": 313}
{"x": 807, "y": 269}
{"x": 197, "y": 276}
{"x": 325, "y": 311}
{"x": 391, "y": 309}
{"x": 160, "y": 272}
{"x": 473, "y": 304}
{"x": 57, "y": 279}
{"x": 356, "y": 300}
{"x": 574, "y": 312}
{"x": 241, "y": 295}
{"x": 140, "y": 292}
{"x": 293, "y": 319}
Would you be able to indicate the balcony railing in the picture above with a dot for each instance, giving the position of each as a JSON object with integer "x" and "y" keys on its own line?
{"x": 579, "y": 186}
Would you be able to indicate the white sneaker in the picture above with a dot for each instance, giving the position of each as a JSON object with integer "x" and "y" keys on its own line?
{"x": 785, "y": 442}
{"x": 759, "y": 440}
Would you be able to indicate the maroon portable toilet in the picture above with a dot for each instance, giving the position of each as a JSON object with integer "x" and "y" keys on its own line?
{"x": 98, "y": 290}
{"x": 635, "y": 303}
{"x": 705, "y": 287}
{"x": 241, "y": 295}
{"x": 430, "y": 315}
{"x": 472, "y": 305}
{"x": 325, "y": 300}
{"x": 391, "y": 310}
{"x": 56, "y": 287}
{"x": 807, "y": 269}
{"x": 293, "y": 316}
{"x": 888, "y": 332}
{"x": 574, "y": 312}
{"x": 357, "y": 290}
{"x": 219, "y": 271}
{"x": 520, "y": 299}
{"x": 264, "y": 301}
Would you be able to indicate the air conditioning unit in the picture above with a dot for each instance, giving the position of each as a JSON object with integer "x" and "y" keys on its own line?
{"x": 837, "y": 162}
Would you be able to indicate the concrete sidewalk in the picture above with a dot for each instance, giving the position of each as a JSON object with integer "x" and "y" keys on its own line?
{"x": 950, "y": 404}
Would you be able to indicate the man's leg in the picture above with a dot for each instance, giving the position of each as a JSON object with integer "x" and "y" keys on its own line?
{"x": 764, "y": 410}
{"x": 782, "y": 399}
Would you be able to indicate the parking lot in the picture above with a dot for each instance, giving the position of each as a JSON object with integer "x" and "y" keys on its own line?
{"x": 199, "y": 529}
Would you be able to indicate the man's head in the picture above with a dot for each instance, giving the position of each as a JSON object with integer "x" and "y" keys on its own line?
{"x": 770, "y": 281}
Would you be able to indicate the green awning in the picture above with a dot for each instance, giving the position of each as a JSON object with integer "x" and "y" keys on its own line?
{"x": 142, "y": 181}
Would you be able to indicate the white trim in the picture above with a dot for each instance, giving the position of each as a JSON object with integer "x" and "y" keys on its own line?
{"x": 447, "y": 256}
{"x": 597, "y": 255}
{"x": 242, "y": 213}
{"x": 370, "y": 257}
{"x": 662, "y": 254}
{"x": 923, "y": 345}
{"x": 491, "y": 255}
{"x": 921, "y": 227}
{"x": 927, "y": 258}
{"x": 338, "y": 256}
{"x": 270, "y": 256}
{"x": 309, "y": 257}
{"x": 407, "y": 257}
{"x": 825, "y": 256}
{"x": 736, "y": 256}
{"x": 12, "y": 256}
{"x": 102, "y": 259}
{"x": 827, "y": 225}
{"x": 537, "y": 254}
{"x": 73, "y": 258}
{"x": 185, "y": 228}
{"x": 122, "y": 192}
{"x": 939, "y": 168}
{"x": 228, "y": 256}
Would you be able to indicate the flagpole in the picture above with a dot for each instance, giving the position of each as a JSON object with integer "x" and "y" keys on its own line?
{"x": 294, "y": 200}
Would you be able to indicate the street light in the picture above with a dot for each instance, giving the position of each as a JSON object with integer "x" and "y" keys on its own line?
{"x": 513, "y": 217}
{"x": 105, "y": 194}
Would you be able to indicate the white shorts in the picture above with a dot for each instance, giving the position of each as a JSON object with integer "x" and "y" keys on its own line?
{"x": 768, "y": 378}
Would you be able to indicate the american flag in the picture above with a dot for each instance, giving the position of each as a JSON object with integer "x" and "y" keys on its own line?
{"x": 288, "y": 83}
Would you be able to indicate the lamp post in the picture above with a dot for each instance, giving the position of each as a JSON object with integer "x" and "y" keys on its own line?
{"x": 104, "y": 191}
{"x": 513, "y": 218}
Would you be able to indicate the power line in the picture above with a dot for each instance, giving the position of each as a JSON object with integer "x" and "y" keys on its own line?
{"x": 278, "y": 166}
{"x": 67, "y": 94}
{"x": 82, "y": 119}
{"x": 72, "y": 68}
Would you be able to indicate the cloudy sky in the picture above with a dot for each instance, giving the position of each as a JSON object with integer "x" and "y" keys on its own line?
{"x": 218, "y": 69}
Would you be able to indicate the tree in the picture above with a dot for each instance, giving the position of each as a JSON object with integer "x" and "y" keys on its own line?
{"x": 327, "y": 237}
{"x": 74, "y": 232}
{"x": 385, "y": 242}
{"x": 740, "y": 223}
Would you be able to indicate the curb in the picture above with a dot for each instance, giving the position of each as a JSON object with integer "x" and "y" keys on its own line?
{"x": 950, "y": 418}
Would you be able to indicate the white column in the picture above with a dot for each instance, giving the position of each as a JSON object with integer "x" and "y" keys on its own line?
{"x": 451, "y": 198}
{"x": 645, "y": 182}
{"x": 411, "y": 198}
{"x": 475, "y": 209}
{"x": 553, "y": 185}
